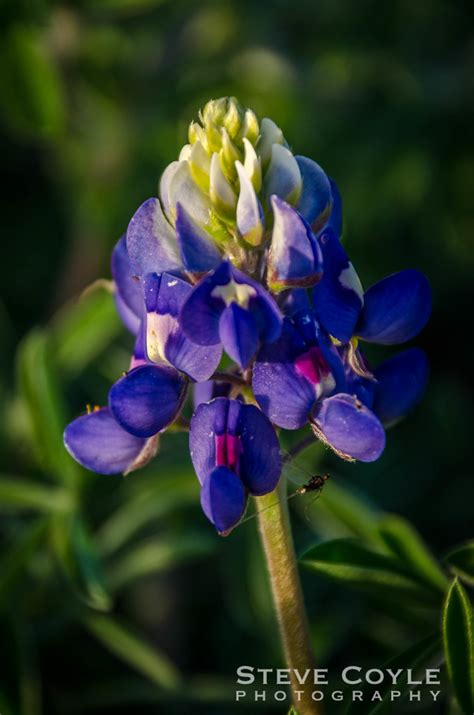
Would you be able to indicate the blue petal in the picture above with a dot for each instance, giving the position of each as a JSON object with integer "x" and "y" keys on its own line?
{"x": 396, "y": 308}
{"x": 213, "y": 294}
{"x": 349, "y": 428}
{"x": 128, "y": 292}
{"x": 147, "y": 399}
{"x": 208, "y": 418}
{"x": 260, "y": 460}
{"x": 201, "y": 311}
{"x": 238, "y": 332}
{"x": 127, "y": 316}
{"x": 206, "y": 391}
{"x": 335, "y": 219}
{"x": 295, "y": 257}
{"x": 315, "y": 200}
{"x": 151, "y": 241}
{"x": 401, "y": 381}
{"x": 166, "y": 342}
{"x": 98, "y": 443}
{"x": 295, "y": 300}
{"x": 223, "y": 499}
{"x": 198, "y": 252}
{"x": 284, "y": 395}
{"x": 338, "y": 295}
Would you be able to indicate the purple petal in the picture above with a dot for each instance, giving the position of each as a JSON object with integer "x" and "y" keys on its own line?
{"x": 202, "y": 310}
{"x": 198, "y": 252}
{"x": 166, "y": 342}
{"x": 338, "y": 295}
{"x": 352, "y": 430}
{"x": 139, "y": 356}
{"x": 295, "y": 300}
{"x": 282, "y": 392}
{"x": 98, "y": 443}
{"x": 238, "y": 332}
{"x": 151, "y": 241}
{"x": 335, "y": 219}
{"x": 127, "y": 316}
{"x": 295, "y": 257}
{"x": 396, "y": 308}
{"x": 260, "y": 460}
{"x": 401, "y": 381}
{"x": 208, "y": 418}
{"x": 223, "y": 499}
{"x": 315, "y": 201}
{"x": 128, "y": 295}
{"x": 206, "y": 391}
{"x": 147, "y": 399}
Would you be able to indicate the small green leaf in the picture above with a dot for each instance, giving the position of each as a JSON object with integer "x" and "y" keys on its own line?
{"x": 132, "y": 649}
{"x": 415, "y": 658}
{"x": 80, "y": 562}
{"x": 84, "y": 328}
{"x": 461, "y": 562}
{"x": 459, "y": 645}
{"x": 293, "y": 711}
{"x": 17, "y": 494}
{"x": 155, "y": 556}
{"x": 42, "y": 398}
{"x": 406, "y": 544}
{"x": 349, "y": 561}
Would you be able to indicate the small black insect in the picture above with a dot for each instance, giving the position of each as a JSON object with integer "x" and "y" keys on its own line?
{"x": 315, "y": 483}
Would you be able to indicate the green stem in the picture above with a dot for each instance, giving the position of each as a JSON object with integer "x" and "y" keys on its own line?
{"x": 275, "y": 533}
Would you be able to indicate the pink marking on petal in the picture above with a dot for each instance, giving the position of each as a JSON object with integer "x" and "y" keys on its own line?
{"x": 228, "y": 450}
{"x": 136, "y": 362}
{"x": 312, "y": 366}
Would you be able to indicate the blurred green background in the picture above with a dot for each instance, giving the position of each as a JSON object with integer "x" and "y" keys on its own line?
{"x": 115, "y": 594}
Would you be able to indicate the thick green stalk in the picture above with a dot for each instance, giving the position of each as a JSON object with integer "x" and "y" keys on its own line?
{"x": 275, "y": 533}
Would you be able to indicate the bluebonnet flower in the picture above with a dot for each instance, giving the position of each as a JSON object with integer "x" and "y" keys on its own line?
{"x": 241, "y": 253}
{"x": 235, "y": 452}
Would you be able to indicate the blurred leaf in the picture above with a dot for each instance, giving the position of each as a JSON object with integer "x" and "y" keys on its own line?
{"x": 349, "y": 561}
{"x": 461, "y": 562}
{"x": 17, "y": 493}
{"x": 459, "y": 645}
{"x": 84, "y": 328}
{"x": 30, "y": 84}
{"x": 80, "y": 562}
{"x": 406, "y": 544}
{"x": 293, "y": 711}
{"x": 130, "y": 648}
{"x": 156, "y": 556}
{"x": 417, "y": 657}
{"x": 43, "y": 403}
{"x": 127, "y": 7}
{"x": 16, "y": 559}
{"x": 344, "y": 508}
{"x": 149, "y": 506}
{"x": 27, "y": 669}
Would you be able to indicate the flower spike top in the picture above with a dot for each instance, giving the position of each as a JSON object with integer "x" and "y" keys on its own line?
{"x": 241, "y": 253}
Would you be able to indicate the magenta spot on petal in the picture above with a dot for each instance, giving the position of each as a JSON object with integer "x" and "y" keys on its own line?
{"x": 136, "y": 362}
{"x": 312, "y": 365}
{"x": 228, "y": 449}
